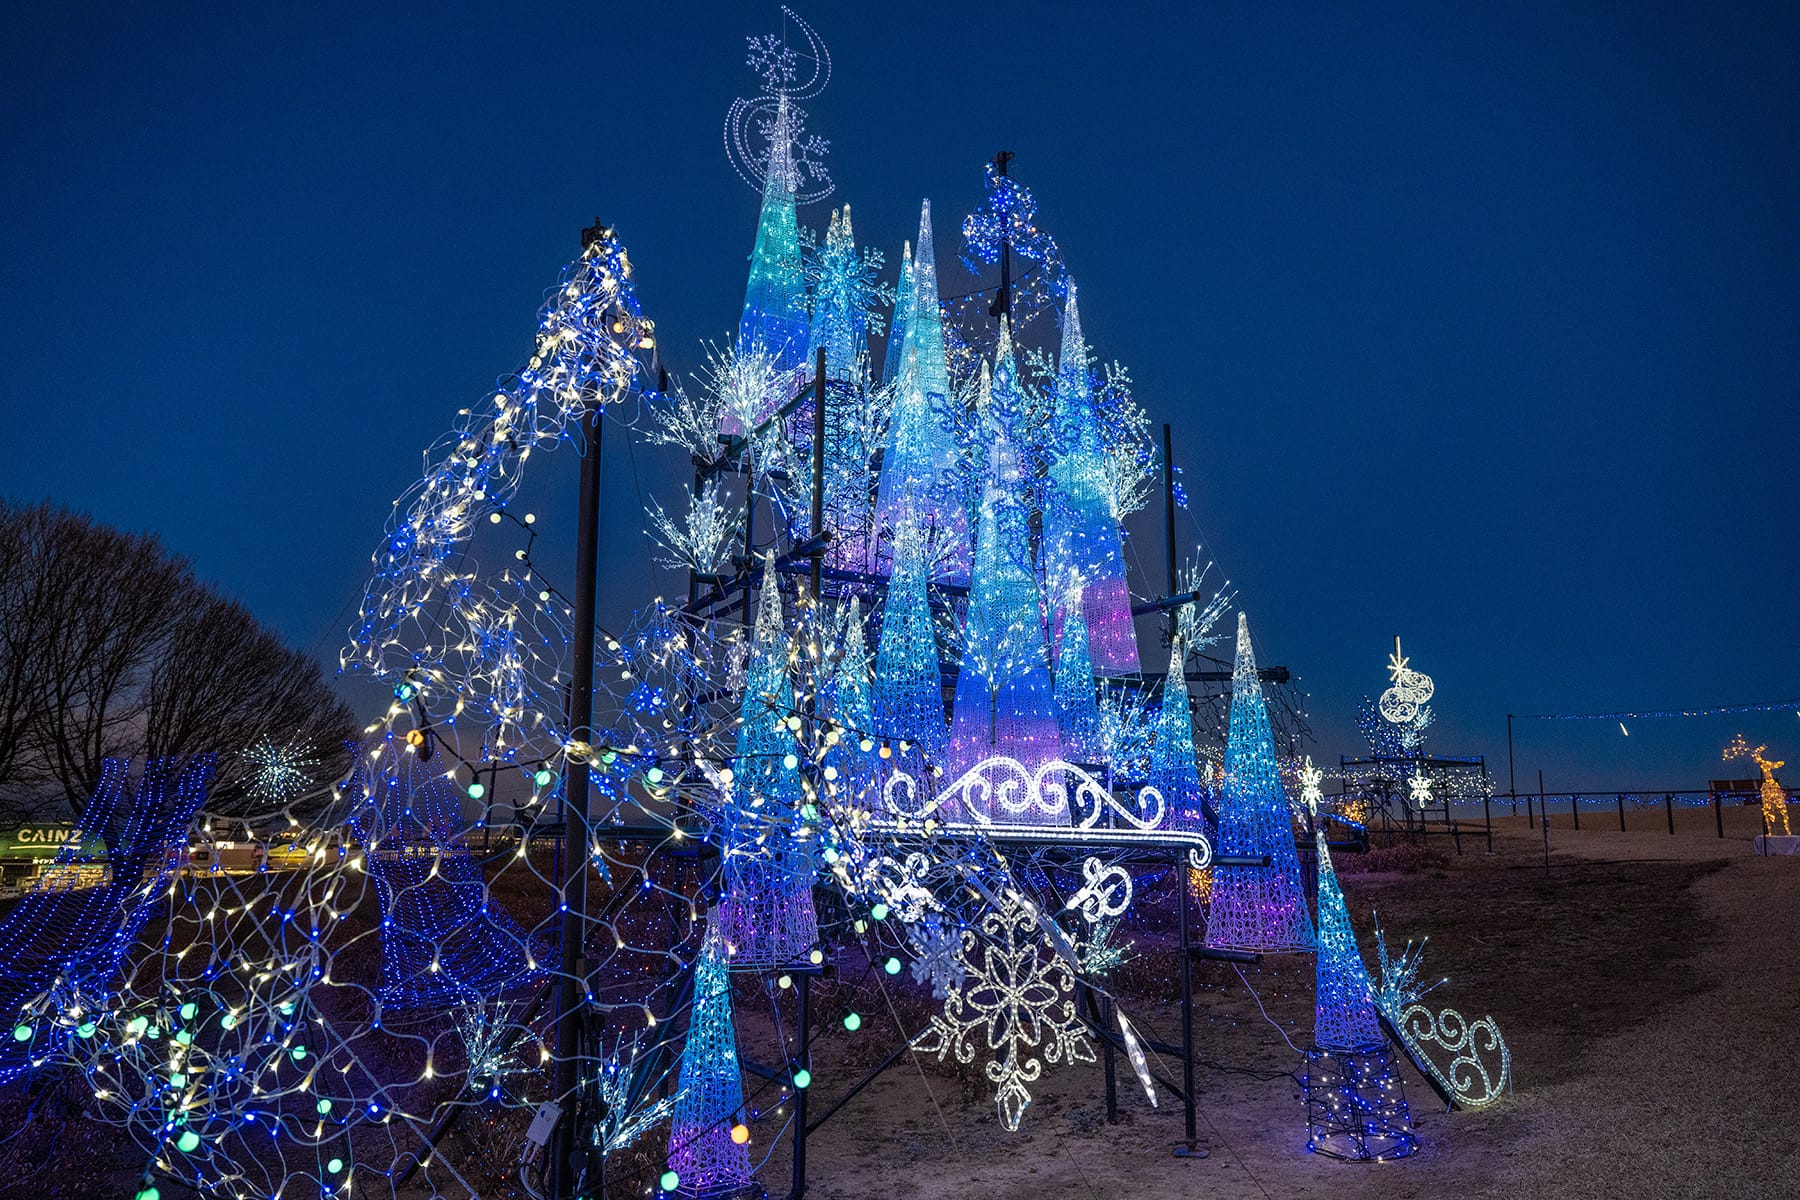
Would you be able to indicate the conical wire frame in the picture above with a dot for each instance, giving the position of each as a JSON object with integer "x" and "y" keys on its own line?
{"x": 1356, "y": 1105}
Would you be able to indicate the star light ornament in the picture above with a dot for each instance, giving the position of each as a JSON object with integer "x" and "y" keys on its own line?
{"x": 280, "y": 773}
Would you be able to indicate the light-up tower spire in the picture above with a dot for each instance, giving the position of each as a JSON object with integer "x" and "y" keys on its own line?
{"x": 1005, "y": 702}
{"x": 774, "y": 319}
{"x": 1081, "y": 523}
{"x": 1255, "y": 908}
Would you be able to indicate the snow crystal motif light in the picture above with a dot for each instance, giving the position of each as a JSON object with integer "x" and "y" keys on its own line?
{"x": 1018, "y": 1002}
{"x": 1255, "y": 908}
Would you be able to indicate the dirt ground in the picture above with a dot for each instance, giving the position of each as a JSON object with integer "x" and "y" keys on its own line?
{"x": 1644, "y": 984}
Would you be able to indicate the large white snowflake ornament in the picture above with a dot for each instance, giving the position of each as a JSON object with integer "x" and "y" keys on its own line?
{"x": 1019, "y": 1003}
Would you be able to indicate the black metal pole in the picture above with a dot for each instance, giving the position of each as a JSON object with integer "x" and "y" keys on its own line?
{"x": 1544, "y": 820}
{"x": 1512, "y": 781}
{"x": 1669, "y": 808}
{"x": 1190, "y": 1148}
{"x": 818, "y": 467}
{"x": 1718, "y": 814}
{"x": 1169, "y": 518}
{"x": 1002, "y": 306}
{"x": 572, "y": 927}
{"x": 803, "y": 1018}
{"x": 1621, "y": 812}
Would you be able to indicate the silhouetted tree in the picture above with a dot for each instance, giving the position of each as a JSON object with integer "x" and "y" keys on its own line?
{"x": 111, "y": 647}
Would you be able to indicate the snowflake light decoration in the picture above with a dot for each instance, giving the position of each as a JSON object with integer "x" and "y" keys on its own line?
{"x": 1419, "y": 785}
{"x": 938, "y": 945}
{"x": 1019, "y": 1002}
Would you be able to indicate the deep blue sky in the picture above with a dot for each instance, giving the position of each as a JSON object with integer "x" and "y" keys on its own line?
{"x": 1478, "y": 323}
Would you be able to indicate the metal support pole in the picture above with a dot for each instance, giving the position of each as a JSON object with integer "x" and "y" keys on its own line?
{"x": 1002, "y": 305}
{"x": 818, "y": 469}
{"x": 572, "y": 927}
{"x": 1487, "y": 819}
{"x": 1621, "y": 812}
{"x": 1575, "y": 809}
{"x": 1544, "y": 818}
{"x": 1169, "y": 514}
{"x": 1718, "y": 814}
{"x": 1107, "y": 1054}
{"x": 1669, "y": 808}
{"x": 1512, "y": 781}
{"x": 1191, "y": 1147}
{"x": 803, "y": 1018}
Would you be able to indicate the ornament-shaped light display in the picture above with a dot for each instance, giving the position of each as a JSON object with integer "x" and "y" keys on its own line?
{"x": 708, "y": 1162}
{"x": 1255, "y": 908}
{"x": 1081, "y": 524}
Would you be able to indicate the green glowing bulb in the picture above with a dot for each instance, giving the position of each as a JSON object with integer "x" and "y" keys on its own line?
{"x": 879, "y": 912}
{"x": 188, "y": 1010}
{"x": 802, "y": 1077}
{"x": 136, "y": 1026}
{"x": 85, "y": 1029}
{"x": 335, "y": 1165}
{"x": 188, "y": 1142}
{"x": 149, "y": 1193}
{"x": 185, "y": 1038}
{"x": 543, "y": 777}
{"x": 891, "y": 966}
{"x": 477, "y": 790}
{"x": 324, "y": 1106}
{"x": 297, "y": 1053}
{"x": 853, "y": 1022}
{"x": 21, "y": 1033}
{"x": 654, "y": 774}
{"x": 228, "y": 1021}
{"x": 669, "y": 1181}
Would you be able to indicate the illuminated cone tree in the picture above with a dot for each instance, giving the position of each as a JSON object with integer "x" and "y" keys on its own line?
{"x": 1082, "y": 542}
{"x": 848, "y": 707}
{"x": 906, "y": 700}
{"x": 1077, "y": 711}
{"x": 1255, "y": 908}
{"x": 1004, "y": 703}
{"x": 919, "y": 462}
{"x": 707, "y": 1161}
{"x": 1173, "y": 768}
{"x": 768, "y": 908}
{"x": 774, "y": 319}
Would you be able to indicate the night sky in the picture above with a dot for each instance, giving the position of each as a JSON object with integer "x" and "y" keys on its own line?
{"x": 1479, "y": 324}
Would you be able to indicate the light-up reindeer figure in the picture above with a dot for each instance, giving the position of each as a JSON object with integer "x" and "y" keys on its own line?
{"x": 1774, "y": 799}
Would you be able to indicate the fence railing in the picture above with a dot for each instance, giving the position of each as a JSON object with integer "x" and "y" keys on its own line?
{"x": 1624, "y": 811}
